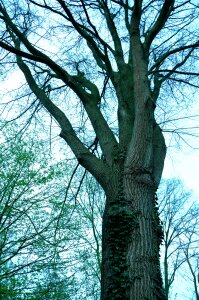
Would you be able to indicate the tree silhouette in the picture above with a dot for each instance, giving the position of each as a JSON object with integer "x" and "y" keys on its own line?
{"x": 112, "y": 60}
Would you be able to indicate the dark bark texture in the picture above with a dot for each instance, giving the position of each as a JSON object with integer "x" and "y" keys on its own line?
{"x": 132, "y": 235}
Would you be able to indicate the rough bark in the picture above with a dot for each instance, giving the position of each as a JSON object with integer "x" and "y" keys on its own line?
{"x": 132, "y": 234}
{"x": 131, "y": 238}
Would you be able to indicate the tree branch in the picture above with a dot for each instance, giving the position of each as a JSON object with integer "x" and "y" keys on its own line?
{"x": 158, "y": 83}
{"x": 84, "y": 88}
{"x": 83, "y": 155}
{"x": 118, "y": 53}
{"x": 88, "y": 36}
{"x": 160, "y": 22}
{"x": 136, "y": 16}
{"x": 161, "y": 59}
{"x": 171, "y": 71}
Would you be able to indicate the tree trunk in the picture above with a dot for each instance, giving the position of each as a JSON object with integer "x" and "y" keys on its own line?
{"x": 166, "y": 275}
{"x": 131, "y": 238}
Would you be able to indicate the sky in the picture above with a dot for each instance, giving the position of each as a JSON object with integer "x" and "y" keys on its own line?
{"x": 183, "y": 165}
{"x": 182, "y": 159}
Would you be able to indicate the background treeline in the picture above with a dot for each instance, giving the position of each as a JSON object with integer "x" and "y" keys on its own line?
{"x": 50, "y": 226}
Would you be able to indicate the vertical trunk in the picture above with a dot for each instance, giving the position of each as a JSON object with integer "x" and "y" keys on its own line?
{"x": 195, "y": 277}
{"x": 131, "y": 239}
{"x": 131, "y": 229}
{"x": 166, "y": 275}
{"x": 143, "y": 250}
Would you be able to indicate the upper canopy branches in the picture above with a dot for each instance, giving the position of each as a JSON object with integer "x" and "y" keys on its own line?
{"x": 164, "y": 28}
{"x": 89, "y": 46}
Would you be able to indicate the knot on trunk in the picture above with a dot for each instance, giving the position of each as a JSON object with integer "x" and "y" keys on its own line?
{"x": 141, "y": 175}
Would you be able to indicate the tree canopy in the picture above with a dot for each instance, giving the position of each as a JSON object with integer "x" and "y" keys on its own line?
{"x": 108, "y": 72}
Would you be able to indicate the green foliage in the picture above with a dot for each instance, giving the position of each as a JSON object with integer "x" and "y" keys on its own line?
{"x": 27, "y": 180}
{"x": 47, "y": 249}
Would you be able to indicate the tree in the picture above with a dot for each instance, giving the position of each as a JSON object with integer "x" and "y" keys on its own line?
{"x": 190, "y": 250}
{"x": 114, "y": 60}
{"x": 75, "y": 274}
{"x": 43, "y": 254}
{"x": 179, "y": 217}
{"x": 193, "y": 264}
{"x": 28, "y": 191}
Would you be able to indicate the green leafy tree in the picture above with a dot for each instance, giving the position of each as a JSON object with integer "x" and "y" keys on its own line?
{"x": 114, "y": 60}
{"x": 45, "y": 254}
{"x": 28, "y": 191}
{"x": 52, "y": 284}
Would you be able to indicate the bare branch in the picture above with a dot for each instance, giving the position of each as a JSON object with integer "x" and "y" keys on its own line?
{"x": 161, "y": 59}
{"x": 88, "y": 35}
{"x": 67, "y": 132}
{"x": 160, "y": 22}
{"x": 118, "y": 53}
